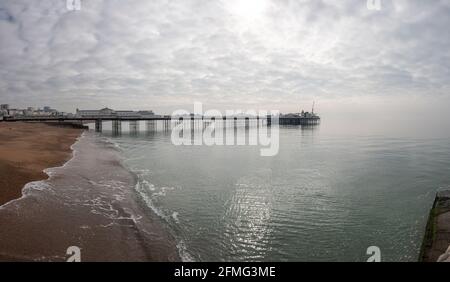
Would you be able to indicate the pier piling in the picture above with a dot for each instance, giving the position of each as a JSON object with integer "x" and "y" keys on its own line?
{"x": 116, "y": 127}
{"x": 98, "y": 125}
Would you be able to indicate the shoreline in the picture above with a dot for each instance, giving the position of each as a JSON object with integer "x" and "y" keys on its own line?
{"x": 27, "y": 150}
{"x": 88, "y": 202}
{"x": 47, "y": 172}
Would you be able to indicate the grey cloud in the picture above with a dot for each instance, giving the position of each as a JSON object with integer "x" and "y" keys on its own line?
{"x": 152, "y": 53}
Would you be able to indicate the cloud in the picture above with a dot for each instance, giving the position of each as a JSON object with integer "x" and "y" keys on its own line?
{"x": 164, "y": 54}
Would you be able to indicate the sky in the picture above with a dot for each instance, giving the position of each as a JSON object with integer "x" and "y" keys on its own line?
{"x": 250, "y": 54}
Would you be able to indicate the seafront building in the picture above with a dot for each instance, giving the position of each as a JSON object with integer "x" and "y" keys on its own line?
{"x": 108, "y": 113}
{"x": 7, "y": 111}
{"x": 3, "y": 110}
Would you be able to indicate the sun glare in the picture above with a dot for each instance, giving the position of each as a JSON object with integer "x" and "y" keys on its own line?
{"x": 247, "y": 9}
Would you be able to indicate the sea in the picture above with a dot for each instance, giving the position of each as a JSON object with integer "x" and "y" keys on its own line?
{"x": 328, "y": 194}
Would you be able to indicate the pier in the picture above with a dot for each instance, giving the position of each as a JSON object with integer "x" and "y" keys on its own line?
{"x": 169, "y": 121}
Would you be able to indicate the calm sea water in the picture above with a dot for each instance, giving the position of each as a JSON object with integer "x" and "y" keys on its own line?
{"x": 328, "y": 195}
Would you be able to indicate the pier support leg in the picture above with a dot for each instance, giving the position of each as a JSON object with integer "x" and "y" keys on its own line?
{"x": 98, "y": 125}
{"x": 134, "y": 127}
{"x": 148, "y": 126}
{"x": 116, "y": 127}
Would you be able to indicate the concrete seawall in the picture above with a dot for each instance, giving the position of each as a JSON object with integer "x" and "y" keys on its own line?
{"x": 436, "y": 242}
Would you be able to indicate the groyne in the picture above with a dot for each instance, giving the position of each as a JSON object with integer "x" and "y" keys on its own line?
{"x": 436, "y": 242}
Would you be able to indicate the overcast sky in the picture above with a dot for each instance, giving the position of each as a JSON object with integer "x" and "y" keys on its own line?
{"x": 273, "y": 54}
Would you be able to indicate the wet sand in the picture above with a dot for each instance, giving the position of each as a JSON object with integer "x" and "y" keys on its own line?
{"x": 26, "y": 149}
{"x": 90, "y": 203}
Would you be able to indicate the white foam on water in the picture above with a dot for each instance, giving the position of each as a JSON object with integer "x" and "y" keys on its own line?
{"x": 51, "y": 171}
{"x": 163, "y": 191}
{"x": 141, "y": 172}
{"x": 144, "y": 189}
{"x": 148, "y": 192}
{"x": 36, "y": 185}
{"x": 183, "y": 252}
{"x": 134, "y": 159}
{"x": 148, "y": 200}
{"x": 149, "y": 185}
{"x": 175, "y": 217}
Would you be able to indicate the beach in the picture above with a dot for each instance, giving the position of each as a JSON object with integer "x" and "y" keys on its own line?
{"x": 26, "y": 149}
{"x": 87, "y": 201}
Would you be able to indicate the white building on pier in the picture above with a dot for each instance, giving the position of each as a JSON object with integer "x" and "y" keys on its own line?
{"x": 109, "y": 113}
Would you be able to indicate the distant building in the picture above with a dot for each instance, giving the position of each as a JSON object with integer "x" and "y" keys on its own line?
{"x": 146, "y": 113}
{"x": 16, "y": 112}
{"x": 48, "y": 109}
{"x": 128, "y": 114}
{"x": 95, "y": 113}
{"x": 308, "y": 114}
{"x": 4, "y": 110}
{"x": 106, "y": 112}
{"x": 290, "y": 115}
{"x": 302, "y": 114}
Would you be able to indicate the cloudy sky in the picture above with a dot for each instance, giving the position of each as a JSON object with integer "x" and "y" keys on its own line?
{"x": 272, "y": 54}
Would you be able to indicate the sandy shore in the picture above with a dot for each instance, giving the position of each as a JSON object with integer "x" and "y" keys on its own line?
{"x": 90, "y": 202}
{"x": 26, "y": 149}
